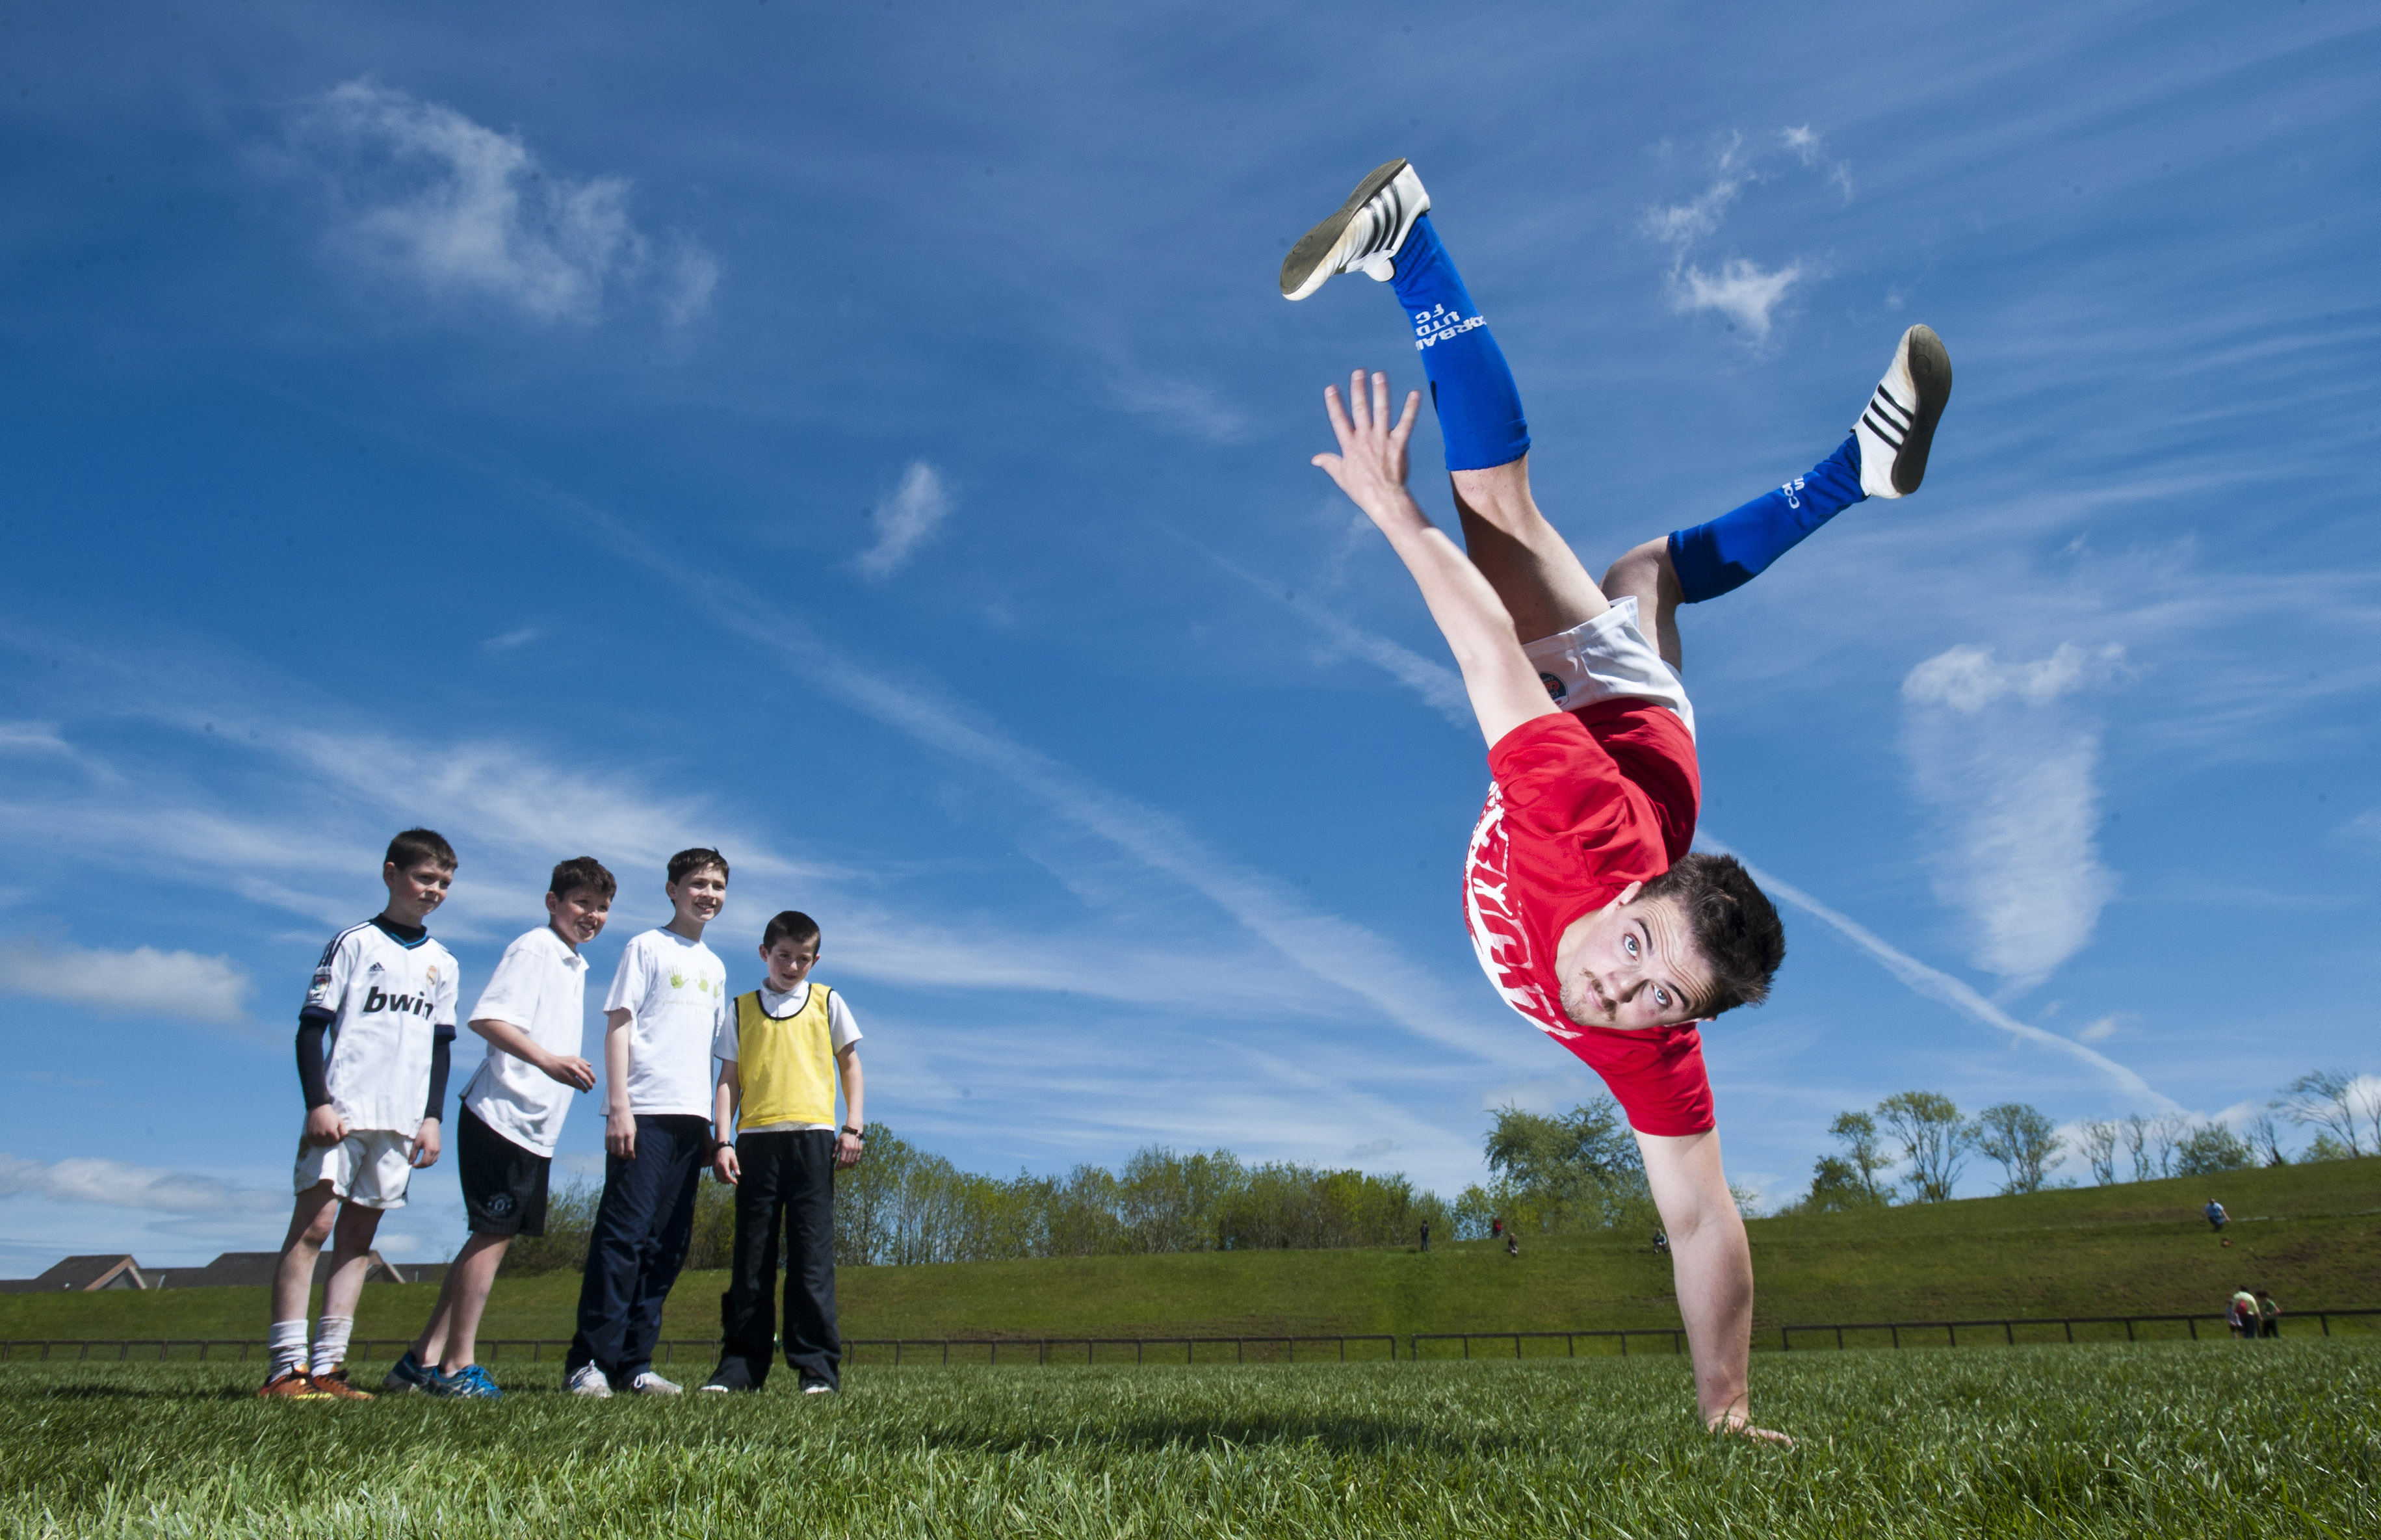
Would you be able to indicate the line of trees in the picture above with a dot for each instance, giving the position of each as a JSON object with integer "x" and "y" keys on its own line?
{"x": 903, "y": 1205}
{"x": 1914, "y": 1145}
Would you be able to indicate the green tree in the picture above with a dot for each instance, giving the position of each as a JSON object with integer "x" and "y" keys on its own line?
{"x": 2023, "y": 1139}
{"x": 2331, "y": 1100}
{"x": 1837, "y": 1186}
{"x": 2211, "y": 1148}
{"x": 1934, "y": 1141}
{"x": 1857, "y": 1131}
{"x": 1577, "y": 1171}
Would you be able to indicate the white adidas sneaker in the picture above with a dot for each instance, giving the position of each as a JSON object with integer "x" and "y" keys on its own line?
{"x": 1898, "y": 426}
{"x": 1362, "y": 236}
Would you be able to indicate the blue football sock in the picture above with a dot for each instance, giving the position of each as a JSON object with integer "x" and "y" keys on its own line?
{"x": 1737, "y": 547}
{"x": 1479, "y": 406}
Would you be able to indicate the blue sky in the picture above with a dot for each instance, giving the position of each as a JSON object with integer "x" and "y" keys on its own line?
{"x": 869, "y": 439}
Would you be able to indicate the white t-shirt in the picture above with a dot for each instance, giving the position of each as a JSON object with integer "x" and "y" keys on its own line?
{"x": 841, "y": 1030}
{"x": 676, "y": 994}
{"x": 541, "y": 987}
{"x": 389, "y": 1001}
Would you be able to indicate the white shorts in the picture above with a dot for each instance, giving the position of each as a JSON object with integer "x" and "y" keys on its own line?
{"x": 1598, "y": 659}
{"x": 369, "y": 1167}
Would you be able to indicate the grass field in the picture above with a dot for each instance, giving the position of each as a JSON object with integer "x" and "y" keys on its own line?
{"x": 2227, "y": 1439}
{"x": 2310, "y": 1233}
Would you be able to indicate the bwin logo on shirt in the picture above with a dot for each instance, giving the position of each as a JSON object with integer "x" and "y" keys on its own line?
{"x": 414, "y": 1005}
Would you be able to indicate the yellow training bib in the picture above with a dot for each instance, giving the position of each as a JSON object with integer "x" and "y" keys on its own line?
{"x": 787, "y": 1063}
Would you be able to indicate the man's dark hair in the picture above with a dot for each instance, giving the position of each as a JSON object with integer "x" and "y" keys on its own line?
{"x": 1734, "y": 924}
{"x": 581, "y": 873}
{"x": 421, "y": 848}
{"x": 790, "y": 926}
{"x": 687, "y": 861}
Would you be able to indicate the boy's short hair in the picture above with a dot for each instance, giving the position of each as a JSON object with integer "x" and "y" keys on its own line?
{"x": 1735, "y": 925}
{"x": 793, "y": 925}
{"x": 581, "y": 873}
{"x": 687, "y": 862}
{"x": 421, "y": 848}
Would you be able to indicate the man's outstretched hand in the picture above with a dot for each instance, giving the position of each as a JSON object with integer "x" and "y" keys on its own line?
{"x": 1370, "y": 464}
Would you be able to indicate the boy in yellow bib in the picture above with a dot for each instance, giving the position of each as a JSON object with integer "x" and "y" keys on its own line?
{"x": 781, "y": 1052}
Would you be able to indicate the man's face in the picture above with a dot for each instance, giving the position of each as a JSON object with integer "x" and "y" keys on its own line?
{"x": 413, "y": 894}
{"x": 700, "y": 895}
{"x": 789, "y": 961}
{"x": 1633, "y": 965}
{"x": 578, "y": 915}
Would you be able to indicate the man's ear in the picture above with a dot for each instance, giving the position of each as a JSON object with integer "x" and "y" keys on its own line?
{"x": 1628, "y": 895}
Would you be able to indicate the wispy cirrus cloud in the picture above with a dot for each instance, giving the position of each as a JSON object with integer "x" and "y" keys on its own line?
{"x": 144, "y": 981}
{"x": 1181, "y": 406}
{"x": 906, "y": 520}
{"x": 422, "y": 193}
{"x": 1744, "y": 292}
{"x": 2010, "y": 765}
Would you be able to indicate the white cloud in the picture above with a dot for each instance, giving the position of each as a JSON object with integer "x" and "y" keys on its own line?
{"x": 2365, "y": 825}
{"x": 906, "y": 519}
{"x": 1184, "y": 405}
{"x": 519, "y": 636}
{"x": 1935, "y": 984}
{"x": 2011, "y": 772}
{"x": 425, "y": 193}
{"x": 142, "y": 981}
{"x": 34, "y": 738}
{"x": 1744, "y": 291}
{"x": 2102, "y": 1030}
{"x": 114, "y": 1185}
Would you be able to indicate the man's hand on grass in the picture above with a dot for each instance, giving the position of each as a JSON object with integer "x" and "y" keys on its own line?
{"x": 1735, "y": 1423}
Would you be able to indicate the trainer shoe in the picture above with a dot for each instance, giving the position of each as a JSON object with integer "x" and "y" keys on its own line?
{"x": 468, "y": 1383}
{"x": 334, "y": 1383}
{"x": 294, "y": 1384}
{"x": 1898, "y": 427}
{"x": 730, "y": 1376}
{"x": 588, "y": 1380}
{"x": 817, "y": 1388}
{"x": 1361, "y": 238}
{"x": 648, "y": 1382}
{"x": 409, "y": 1374}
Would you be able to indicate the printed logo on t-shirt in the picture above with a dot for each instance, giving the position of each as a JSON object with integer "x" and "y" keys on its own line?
{"x": 376, "y": 1000}
{"x": 1498, "y": 937}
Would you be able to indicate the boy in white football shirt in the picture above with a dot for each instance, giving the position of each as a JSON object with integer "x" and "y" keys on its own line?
{"x": 533, "y": 1015}
{"x": 373, "y": 1039}
{"x": 668, "y": 1001}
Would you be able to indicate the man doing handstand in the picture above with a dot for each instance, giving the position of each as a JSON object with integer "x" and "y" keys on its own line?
{"x": 1587, "y": 910}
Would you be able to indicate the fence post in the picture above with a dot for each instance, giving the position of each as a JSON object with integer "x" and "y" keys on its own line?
{"x": 2325, "y": 1318}
{"x": 1896, "y": 1329}
{"x": 2193, "y": 1322}
{"x": 2070, "y": 1325}
{"x": 2009, "y": 1329}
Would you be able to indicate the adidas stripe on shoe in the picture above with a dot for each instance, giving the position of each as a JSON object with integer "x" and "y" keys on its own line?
{"x": 1362, "y": 236}
{"x": 1897, "y": 427}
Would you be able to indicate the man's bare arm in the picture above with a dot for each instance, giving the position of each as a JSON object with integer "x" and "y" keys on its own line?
{"x": 1713, "y": 1262}
{"x": 1371, "y": 469}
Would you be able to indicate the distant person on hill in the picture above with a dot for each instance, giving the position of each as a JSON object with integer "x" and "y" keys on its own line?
{"x": 2243, "y": 1312}
{"x": 782, "y": 1051}
{"x": 1512, "y": 1245}
{"x": 2269, "y": 1316}
{"x": 373, "y": 1039}
{"x": 667, "y": 1002}
{"x": 2216, "y": 1217}
{"x": 1588, "y": 908}
{"x": 1425, "y": 1235}
{"x": 1661, "y": 1243}
{"x": 533, "y": 1014}
{"x": 1495, "y": 1228}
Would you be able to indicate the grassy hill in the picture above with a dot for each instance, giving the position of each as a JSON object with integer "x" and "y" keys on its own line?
{"x": 2312, "y": 1234}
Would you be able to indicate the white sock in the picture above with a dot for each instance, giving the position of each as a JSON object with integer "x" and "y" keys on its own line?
{"x": 331, "y": 1341}
{"x": 287, "y": 1343}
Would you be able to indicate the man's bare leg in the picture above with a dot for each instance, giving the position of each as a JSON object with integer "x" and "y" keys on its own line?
{"x": 1525, "y": 559}
{"x": 1645, "y": 574}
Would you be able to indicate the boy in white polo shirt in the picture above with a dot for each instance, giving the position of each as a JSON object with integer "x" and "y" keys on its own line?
{"x": 373, "y": 1044}
{"x": 668, "y": 1001}
{"x": 533, "y": 1015}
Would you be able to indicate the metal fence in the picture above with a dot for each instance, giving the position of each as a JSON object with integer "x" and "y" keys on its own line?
{"x": 1271, "y": 1348}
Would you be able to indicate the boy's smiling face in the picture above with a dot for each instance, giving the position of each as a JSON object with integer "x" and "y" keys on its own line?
{"x": 414, "y": 892}
{"x": 578, "y": 916}
{"x": 790, "y": 961}
{"x": 699, "y": 896}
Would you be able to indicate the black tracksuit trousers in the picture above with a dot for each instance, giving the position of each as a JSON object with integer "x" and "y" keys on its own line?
{"x": 784, "y": 1179}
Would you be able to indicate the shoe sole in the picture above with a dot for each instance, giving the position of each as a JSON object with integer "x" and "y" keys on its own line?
{"x": 1313, "y": 248}
{"x": 1930, "y": 373}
